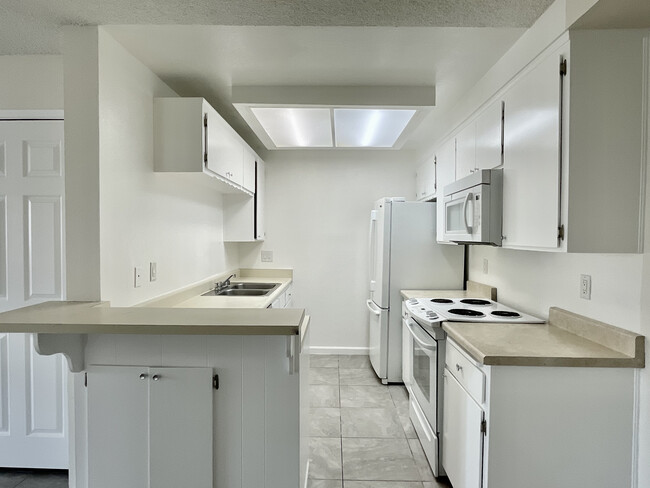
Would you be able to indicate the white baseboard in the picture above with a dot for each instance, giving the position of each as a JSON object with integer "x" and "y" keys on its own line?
{"x": 343, "y": 351}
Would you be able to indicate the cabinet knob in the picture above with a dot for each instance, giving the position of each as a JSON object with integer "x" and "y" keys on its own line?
{"x": 143, "y": 376}
{"x": 458, "y": 368}
{"x": 155, "y": 377}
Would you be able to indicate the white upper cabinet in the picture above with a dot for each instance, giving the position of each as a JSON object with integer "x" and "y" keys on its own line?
{"x": 248, "y": 177}
{"x": 489, "y": 136}
{"x": 191, "y": 136}
{"x": 446, "y": 173}
{"x": 466, "y": 151}
{"x": 531, "y": 167}
{"x": 225, "y": 149}
{"x": 243, "y": 216}
{"x": 425, "y": 180}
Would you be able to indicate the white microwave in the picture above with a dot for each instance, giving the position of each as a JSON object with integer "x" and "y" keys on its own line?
{"x": 473, "y": 208}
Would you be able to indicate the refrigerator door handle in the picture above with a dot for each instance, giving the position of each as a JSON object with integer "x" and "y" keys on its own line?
{"x": 372, "y": 244}
{"x": 372, "y": 307}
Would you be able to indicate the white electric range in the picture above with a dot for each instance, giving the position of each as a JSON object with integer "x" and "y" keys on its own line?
{"x": 424, "y": 358}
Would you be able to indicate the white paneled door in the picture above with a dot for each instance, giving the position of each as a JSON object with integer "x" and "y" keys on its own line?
{"x": 33, "y": 418}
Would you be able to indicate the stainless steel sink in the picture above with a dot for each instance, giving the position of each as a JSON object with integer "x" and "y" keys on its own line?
{"x": 243, "y": 290}
{"x": 242, "y": 293}
{"x": 252, "y": 286}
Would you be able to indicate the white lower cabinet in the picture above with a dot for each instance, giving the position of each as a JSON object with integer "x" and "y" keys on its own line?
{"x": 149, "y": 427}
{"x": 462, "y": 446}
{"x": 536, "y": 426}
{"x": 178, "y": 430}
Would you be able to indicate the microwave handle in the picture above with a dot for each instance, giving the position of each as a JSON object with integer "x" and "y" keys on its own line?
{"x": 469, "y": 197}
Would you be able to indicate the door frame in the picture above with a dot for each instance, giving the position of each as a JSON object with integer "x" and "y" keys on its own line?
{"x": 31, "y": 114}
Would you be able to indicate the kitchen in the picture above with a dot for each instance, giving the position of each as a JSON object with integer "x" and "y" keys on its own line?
{"x": 297, "y": 184}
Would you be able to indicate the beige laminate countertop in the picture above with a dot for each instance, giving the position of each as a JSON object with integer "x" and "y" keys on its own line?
{"x": 97, "y": 318}
{"x": 566, "y": 339}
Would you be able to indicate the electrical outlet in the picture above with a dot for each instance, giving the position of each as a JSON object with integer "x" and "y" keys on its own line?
{"x": 485, "y": 266}
{"x": 585, "y": 286}
{"x": 267, "y": 256}
{"x": 138, "y": 273}
{"x": 153, "y": 271}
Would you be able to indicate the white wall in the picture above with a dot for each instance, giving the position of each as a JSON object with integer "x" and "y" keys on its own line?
{"x": 135, "y": 215}
{"x": 317, "y": 215}
{"x": 31, "y": 82}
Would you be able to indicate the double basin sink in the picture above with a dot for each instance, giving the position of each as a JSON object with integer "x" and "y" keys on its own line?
{"x": 243, "y": 290}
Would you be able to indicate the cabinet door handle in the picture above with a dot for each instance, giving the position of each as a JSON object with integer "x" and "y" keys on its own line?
{"x": 458, "y": 367}
{"x": 143, "y": 376}
{"x": 155, "y": 377}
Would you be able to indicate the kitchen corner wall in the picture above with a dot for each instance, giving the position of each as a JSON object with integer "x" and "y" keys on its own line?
{"x": 317, "y": 219}
{"x": 137, "y": 216}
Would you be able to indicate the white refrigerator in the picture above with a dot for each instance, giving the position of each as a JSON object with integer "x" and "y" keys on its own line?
{"x": 404, "y": 255}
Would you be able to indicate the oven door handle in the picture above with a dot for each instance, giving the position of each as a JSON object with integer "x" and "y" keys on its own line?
{"x": 414, "y": 330}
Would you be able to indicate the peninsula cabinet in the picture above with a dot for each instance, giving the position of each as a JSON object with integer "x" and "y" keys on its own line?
{"x": 536, "y": 426}
{"x": 191, "y": 137}
{"x": 574, "y": 145}
{"x": 149, "y": 427}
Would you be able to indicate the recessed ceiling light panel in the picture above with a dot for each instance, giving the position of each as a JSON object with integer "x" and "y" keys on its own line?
{"x": 296, "y": 127}
{"x": 369, "y": 127}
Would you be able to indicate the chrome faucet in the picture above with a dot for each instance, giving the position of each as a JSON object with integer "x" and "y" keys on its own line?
{"x": 220, "y": 285}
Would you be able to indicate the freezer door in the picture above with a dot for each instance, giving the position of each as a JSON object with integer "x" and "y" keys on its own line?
{"x": 378, "y": 338}
{"x": 380, "y": 253}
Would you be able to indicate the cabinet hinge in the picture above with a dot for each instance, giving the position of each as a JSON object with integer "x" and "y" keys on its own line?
{"x": 86, "y": 379}
{"x": 215, "y": 382}
{"x": 484, "y": 426}
{"x": 560, "y": 232}
{"x": 563, "y": 67}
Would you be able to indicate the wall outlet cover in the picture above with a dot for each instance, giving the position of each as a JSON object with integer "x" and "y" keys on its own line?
{"x": 138, "y": 274}
{"x": 267, "y": 256}
{"x": 153, "y": 271}
{"x": 485, "y": 266}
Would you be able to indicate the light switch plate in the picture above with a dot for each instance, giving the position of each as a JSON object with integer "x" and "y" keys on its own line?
{"x": 485, "y": 266}
{"x": 138, "y": 274}
{"x": 267, "y": 256}
{"x": 153, "y": 271}
{"x": 585, "y": 286}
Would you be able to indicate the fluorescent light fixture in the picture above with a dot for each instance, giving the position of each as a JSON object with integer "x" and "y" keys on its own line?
{"x": 296, "y": 127}
{"x": 369, "y": 127}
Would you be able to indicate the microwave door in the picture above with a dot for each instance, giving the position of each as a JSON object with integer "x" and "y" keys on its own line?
{"x": 459, "y": 217}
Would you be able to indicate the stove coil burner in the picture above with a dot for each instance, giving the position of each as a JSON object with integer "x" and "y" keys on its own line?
{"x": 467, "y": 312}
{"x": 442, "y": 300}
{"x": 506, "y": 314}
{"x": 475, "y": 301}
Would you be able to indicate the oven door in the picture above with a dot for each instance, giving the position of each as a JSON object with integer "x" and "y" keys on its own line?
{"x": 423, "y": 371}
{"x": 459, "y": 217}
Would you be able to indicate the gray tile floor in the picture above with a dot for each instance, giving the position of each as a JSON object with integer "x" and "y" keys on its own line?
{"x": 33, "y": 478}
{"x": 361, "y": 436}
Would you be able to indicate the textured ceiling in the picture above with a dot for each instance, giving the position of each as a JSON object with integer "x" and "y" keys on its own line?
{"x": 31, "y": 26}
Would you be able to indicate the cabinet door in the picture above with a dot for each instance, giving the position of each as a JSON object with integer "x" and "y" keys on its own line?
{"x": 118, "y": 427}
{"x": 260, "y": 189}
{"x": 446, "y": 173}
{"x": 180, "y": 427}
{"x": 248, "y": 179}
{"x": 225, "y": 151}
{"x": 462, "y": 439}
{"x": 466, "y": 151}
{"x": 531, "y": 176}
{"x": 425, "y": 180}
{"x": 149, "y": 427}
{"x": 489, "y": 136}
